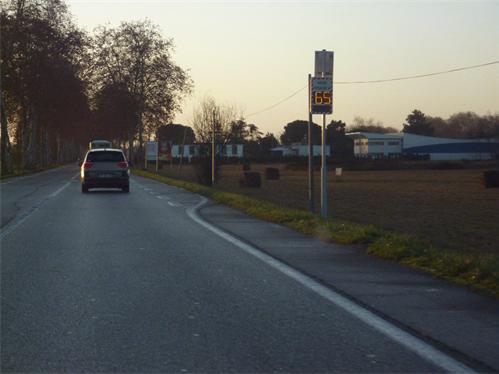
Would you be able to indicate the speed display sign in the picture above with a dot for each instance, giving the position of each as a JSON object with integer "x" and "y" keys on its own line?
{"x": 321, "y": 95}
{"x": 320, "y": 101}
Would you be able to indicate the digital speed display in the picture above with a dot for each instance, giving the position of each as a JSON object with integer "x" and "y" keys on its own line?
{"x": 321, "y": 96}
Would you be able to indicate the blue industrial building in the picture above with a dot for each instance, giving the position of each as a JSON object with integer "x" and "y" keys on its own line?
{"x": 374, "y": 145}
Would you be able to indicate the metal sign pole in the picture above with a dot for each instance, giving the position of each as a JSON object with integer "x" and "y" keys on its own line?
{"x": 321, "y": 93}
{"x": 213, "y": 157}
{"x": 324, "y": 184}
{"x": 310, "y": 152}
{"x": 157, "y": 155}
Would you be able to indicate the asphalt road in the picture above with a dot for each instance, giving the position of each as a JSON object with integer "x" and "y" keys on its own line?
{"x": 115, "y": 282}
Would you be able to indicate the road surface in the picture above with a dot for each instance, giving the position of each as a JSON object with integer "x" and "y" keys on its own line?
{"x": 115, "y": 282}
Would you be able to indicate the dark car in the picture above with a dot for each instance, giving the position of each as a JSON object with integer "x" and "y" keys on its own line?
{"x": 105, "y": 168}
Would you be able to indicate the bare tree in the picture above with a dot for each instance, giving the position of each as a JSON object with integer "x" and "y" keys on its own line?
{"x": 212, "y": 124}
{"x": 369, "y": 125}
{"x": 466, "y": 125}
{"x": 115, "y": 114}
{"x": 210, "y": 117}
{"x": 137, "y": 56}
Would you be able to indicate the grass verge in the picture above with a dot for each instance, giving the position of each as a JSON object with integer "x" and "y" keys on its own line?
{"x": 479, "y": 271}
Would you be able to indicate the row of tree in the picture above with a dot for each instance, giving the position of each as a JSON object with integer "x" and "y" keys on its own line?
{"x": 459, "y": 125}
{"x": 212, "y": 119}
{"x": 61, "y": 87}
{"x": 43, "y": 100}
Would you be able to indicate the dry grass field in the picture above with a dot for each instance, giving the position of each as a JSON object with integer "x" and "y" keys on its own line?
{"x": 447, "y": 208}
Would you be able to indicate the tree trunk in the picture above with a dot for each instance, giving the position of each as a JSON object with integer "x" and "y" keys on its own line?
{"x": 130, "y": 145}
{"x": 5, "y": 156}
{"x": 58, "y": 149}
{"x": 42, "y": 150}
{"x": 23, "y": 136}
{"x": 32, "y": 149}
{"x": 141, "y": 142}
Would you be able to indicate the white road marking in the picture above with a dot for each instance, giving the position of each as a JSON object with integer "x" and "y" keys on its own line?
{"x": 58, "y": 191}
{"x": 412, "y": 343}
{"x": 152, "y": 192}
{"x": 16, "y": 223}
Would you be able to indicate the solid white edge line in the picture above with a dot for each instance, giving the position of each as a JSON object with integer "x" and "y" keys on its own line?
{"x": 412, "y": 343}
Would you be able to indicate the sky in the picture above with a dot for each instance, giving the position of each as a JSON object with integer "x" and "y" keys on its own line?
{"x": 253, "y": 54}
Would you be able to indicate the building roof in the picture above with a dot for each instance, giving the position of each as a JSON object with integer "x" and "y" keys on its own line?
{"x": 374, "y": 135}
{"x": 281, "y": 148}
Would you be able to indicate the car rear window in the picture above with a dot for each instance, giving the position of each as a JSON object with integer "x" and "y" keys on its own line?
{"x": 105, "y": 156}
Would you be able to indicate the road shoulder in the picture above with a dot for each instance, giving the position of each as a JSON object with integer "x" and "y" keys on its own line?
{"x": 452, "y": 317}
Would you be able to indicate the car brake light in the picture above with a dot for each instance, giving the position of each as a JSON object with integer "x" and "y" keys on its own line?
{"x": 87, "y": 165}
{"x": 123, "y": 164}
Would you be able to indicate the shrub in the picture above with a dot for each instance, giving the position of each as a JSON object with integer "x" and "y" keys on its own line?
{"x": 491, "y": 178}
{"x": 203, "y": 171}
{"x": 272, "y": 173}
{"x": 252, "y": 179}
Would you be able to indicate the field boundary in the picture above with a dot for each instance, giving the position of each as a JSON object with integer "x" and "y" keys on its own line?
{"x": 479, "y": 271}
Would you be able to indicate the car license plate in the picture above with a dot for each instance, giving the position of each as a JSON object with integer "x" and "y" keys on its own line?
{"x": 105, "y": 175}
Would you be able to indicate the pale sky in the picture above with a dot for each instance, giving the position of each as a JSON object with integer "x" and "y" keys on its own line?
{"x": 255, "y": 53}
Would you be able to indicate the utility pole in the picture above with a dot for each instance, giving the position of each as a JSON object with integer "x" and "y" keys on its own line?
{"x": 157, "y": 157}
{"x": 183, "y": 150}
{"x": 310, "y": 155}
{"x": 157, "y": 151}
{"x": 213, "y": 151}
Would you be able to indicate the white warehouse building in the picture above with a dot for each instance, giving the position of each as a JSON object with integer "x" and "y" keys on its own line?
{"x": 298, "y": 149}
{"x": 374, "y": 145}
{"x": 189, "y": 151}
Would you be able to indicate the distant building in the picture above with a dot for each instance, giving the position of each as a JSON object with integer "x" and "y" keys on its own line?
{"x": 298, "y": 150}
{"x": 373, "y": 145}
{"x": 189, "y": 151}
{"x": 451, "y": 149}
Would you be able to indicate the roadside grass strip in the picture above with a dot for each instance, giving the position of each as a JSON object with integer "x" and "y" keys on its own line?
{"x": 479, "y": 271}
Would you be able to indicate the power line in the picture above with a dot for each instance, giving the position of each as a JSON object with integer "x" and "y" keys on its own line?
{"x": 279, "y": 102}
{"x": 421, "y": 75}
{"x": 379, "y": 81}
